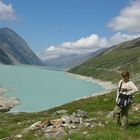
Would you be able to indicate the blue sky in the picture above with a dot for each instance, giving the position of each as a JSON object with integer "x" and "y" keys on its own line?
{"x": 53, "y": 23}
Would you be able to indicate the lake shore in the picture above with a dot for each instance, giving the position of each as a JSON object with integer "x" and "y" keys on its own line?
{"x": 107, "y": 85}
{"x": 7, "y": 103}
{"x": 3, "y": 90}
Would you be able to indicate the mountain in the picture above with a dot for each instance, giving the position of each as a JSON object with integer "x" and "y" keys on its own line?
{"x": 14, "y": 50}
{"x": 109, "y": 64}
{"x": 67, "y": 61}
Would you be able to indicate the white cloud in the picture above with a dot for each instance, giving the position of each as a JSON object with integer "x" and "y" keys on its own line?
{"x": 86, "y": 42}
{"x": 121, "y": 37}
{"x": 128, "y": 19}
{"x": 84, "y": 45}
{"x": 81, "y": 46}
{"x": 6, "y": 12}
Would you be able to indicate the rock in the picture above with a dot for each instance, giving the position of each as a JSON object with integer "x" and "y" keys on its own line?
{"x": 105, "y": 99}
{"x": 56, "y": 123}
{"x": 59, "y": 112}
{"x": 65, "y": 119}
{"x": 7, "y": 138}
{"x": 106, "y": 122}
{"x": 35, "y": 126}
{"x": 18, "y": 136}
{"x": 100, "y": 124}
{"x": 65, "y": 125}
{"x": 55, "y": 133}
{"x": 81, "y": 120}
{"x": 6, "y": 103}
{"x": 60, "y": 132}
{"x": 110, "y": 115}
{"x": 36, "y": 135}
{"x": 4, "y": 109}
{"x": 19, "y": 123}
{"x": 45, "y": 123}
{"x": 73, "y": 114}
{"x": 92, "y": 126}
{"x": 49, "y": 129}
{"x": 81, "y": 113}
{"x": 3, "y": 90}
{"x": 75, "y": 119}
{"x": 136, "y": 107}
{"x": 87, "y": 124}
{"x": 85, "y": 132}
{"x": 90, "y": 120}
{"x": 72, "y": 126}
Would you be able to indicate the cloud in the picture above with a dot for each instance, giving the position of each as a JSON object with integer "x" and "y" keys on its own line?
{"x": 6, "y": 12}
{"x": 87, "y": 42}
{"x": 128, "y": 19}
{"x": 121, "y": 37}
{"x": 84, "y": 45}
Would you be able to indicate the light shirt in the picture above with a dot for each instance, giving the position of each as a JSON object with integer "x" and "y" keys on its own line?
{"x": 128, "y": 86}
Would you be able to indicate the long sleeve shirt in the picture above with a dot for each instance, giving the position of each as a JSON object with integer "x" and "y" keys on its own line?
{"x": 127, "y": 88}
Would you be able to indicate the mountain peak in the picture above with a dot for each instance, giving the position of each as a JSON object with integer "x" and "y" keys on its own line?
{"x": 6, "y": 29}
{"x": 14, "y": 49}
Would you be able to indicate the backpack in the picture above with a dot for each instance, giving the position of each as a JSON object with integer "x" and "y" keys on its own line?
{"x": 123, "y": 99}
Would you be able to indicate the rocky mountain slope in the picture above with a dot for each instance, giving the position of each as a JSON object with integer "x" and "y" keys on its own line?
{"x": 14, "y": 50}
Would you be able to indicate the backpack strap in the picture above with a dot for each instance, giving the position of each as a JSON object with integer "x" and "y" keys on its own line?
{"x": 120, "y": 87}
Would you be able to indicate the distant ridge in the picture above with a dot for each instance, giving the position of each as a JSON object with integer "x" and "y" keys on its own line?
{"x": 109, "y": 64}
{"x": 14, "y": 50}
{"x": 67, "y": 61}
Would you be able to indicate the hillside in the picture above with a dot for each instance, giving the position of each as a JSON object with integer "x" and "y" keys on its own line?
{"x": 67, "y": 61}
{"x": 109, "y": 64}
{"x": 14, "y": 50}
{"x": 99, "y": 125}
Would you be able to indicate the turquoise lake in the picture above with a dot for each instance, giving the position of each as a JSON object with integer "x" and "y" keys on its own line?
{"x": 39, "y": 89}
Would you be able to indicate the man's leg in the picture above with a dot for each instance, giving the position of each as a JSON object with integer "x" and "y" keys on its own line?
{"x": 124, "y": 119}
{"x": 117, "y": 115}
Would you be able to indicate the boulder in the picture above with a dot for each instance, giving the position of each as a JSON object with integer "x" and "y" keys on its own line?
{"x": 81, "y": 113}
{"x": 18, "y": 136}
{"x": 54, "y": 133}
{"x": 45, "y": 123}
{"x": 6, "y": 103}
{"x": 59, "y": 112}
{"x": 136, "y": 107}
{"x": 34, "y": 126}
{"x": 75, "y": 119}
{"x": 65, "y": 119}
{"x": 110, "y": 115}
{"x": 56, "y": 123}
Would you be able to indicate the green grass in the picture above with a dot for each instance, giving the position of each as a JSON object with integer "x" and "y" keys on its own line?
{"x": 97, "y": 107}
{"x": 100, "y": 67}
{"x": 105, "y": 65}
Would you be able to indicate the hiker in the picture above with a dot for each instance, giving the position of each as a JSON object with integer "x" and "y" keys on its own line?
{"x": 125, "y": 91}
